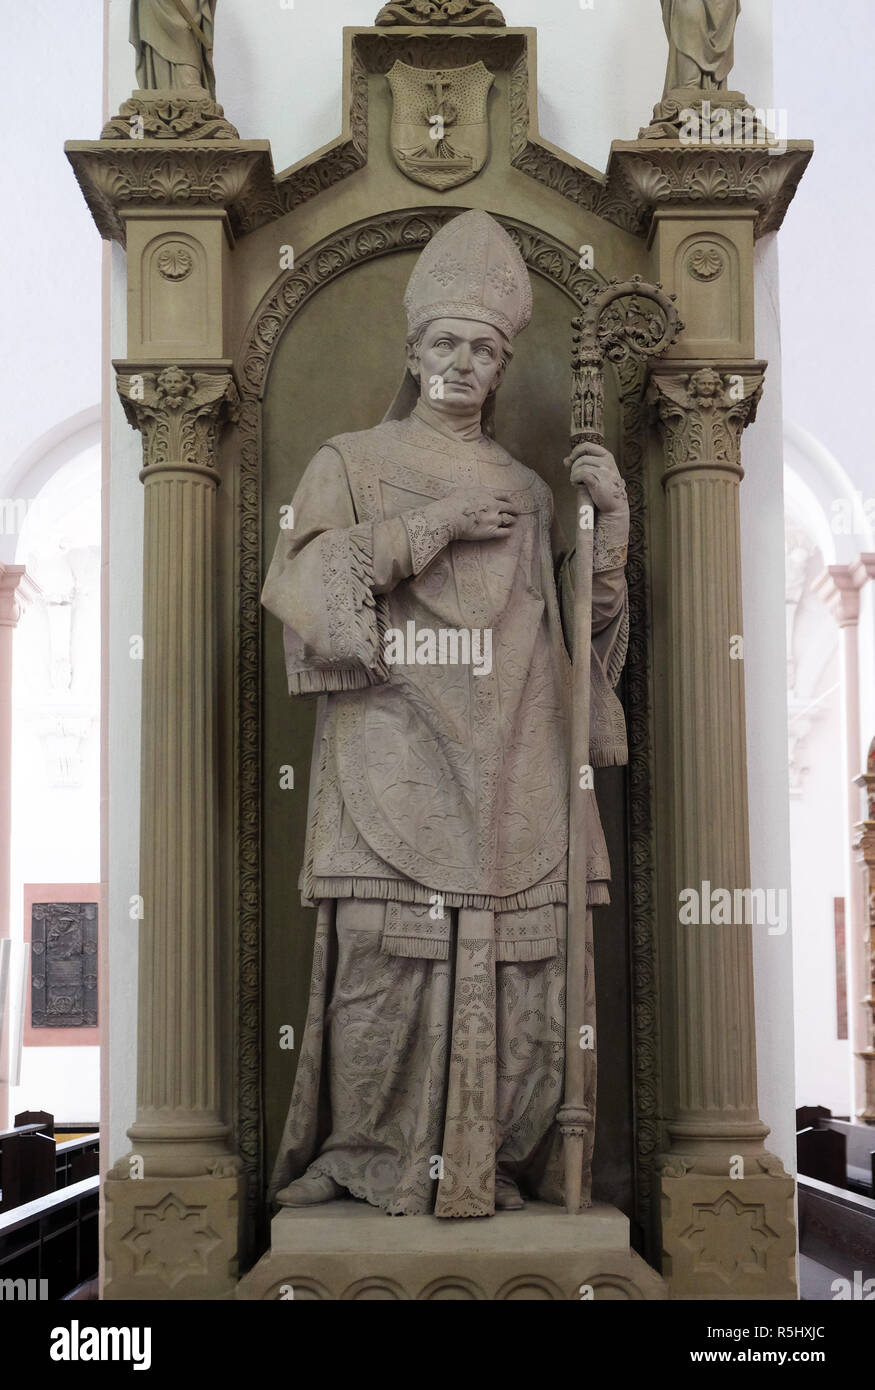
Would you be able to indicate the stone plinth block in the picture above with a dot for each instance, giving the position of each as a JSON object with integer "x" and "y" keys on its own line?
{"x": 173, "y": 1238}
{"x": 729, "y": 1240}
{"x": 351, "y": 1251}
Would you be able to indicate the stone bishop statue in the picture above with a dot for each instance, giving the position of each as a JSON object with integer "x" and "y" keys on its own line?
{"x": 432, "y": 1063}
{"x": 701, "y": 38}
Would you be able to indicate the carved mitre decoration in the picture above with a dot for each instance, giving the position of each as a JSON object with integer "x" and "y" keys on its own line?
{"x": 469, "y": 13}
{"x": 471, "y": 270}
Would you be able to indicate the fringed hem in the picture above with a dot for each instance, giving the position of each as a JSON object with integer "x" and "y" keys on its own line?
{"x": 316, "y": 890}
{"x": 419, "y": 948}
{"x": 545, "y": 949}
{"x": 415, "y": 948}
{"x": 397, "y": 890}
{"x": 608, "y": 754}
{"x": 366, "y": 617}
{"x": 465, "y": 1214}
{"x": 331, "y": 680}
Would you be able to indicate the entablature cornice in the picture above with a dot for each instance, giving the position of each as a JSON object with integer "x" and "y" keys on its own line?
{"x": 185, "y": 154}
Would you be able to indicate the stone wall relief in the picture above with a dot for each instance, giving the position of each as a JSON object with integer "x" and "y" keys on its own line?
{"x": 440, "y": 132}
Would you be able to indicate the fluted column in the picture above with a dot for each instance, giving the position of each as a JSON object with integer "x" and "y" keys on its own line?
{"x": 16, "y": 590}
{"x": 715, "y": 1172}
{"x": 179, "y": 1126}
{"x": 172, "y": 1226}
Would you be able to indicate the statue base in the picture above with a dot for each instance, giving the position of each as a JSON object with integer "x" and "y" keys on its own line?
{"x": 348, "y": 1250}
{"x": 720, "y": 116}
{"x": 172, "y": 113}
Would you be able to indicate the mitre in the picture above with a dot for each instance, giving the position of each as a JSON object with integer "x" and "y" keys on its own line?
{"x": 470, "y": 270}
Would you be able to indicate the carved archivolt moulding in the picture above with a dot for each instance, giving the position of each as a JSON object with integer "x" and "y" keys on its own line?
{"x": 399, "y": 231}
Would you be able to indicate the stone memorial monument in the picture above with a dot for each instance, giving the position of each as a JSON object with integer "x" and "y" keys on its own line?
{"x": 411, "y": 993}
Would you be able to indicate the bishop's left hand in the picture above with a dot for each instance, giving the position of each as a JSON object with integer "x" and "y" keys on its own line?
{"x": 596, "y": 468}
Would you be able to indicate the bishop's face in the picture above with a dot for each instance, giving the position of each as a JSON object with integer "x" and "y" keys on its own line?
{"x": 459, "y": 364}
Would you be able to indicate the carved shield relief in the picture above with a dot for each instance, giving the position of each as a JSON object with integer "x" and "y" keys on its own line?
{"x": 440, "y": 130}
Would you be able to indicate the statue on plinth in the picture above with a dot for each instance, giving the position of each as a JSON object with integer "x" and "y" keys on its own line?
{"x": 421, "y": 590}
{"x": 701, "y": 36}
{"x": 173, "y": 41}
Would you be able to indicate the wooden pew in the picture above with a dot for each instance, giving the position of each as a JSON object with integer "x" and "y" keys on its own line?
{"x": 53, "y": 1239}
{"x": 76, "y": 1159}
{"x": 28, "y": 1170}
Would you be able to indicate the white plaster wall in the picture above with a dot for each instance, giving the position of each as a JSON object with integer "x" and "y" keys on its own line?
{"x": 818, "y": 855}
{"x": 762, "y": 545}
{"x": 50, "y": 347}
{"x": 827, "y": 307}
{"x": 601, "y": 70}
{"x": 56, "y": 828}
{"x": 49, "y": 388}
{"x": 124, "y": 559}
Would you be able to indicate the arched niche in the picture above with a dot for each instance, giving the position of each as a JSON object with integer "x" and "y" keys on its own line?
{"x": 323, "y": 354}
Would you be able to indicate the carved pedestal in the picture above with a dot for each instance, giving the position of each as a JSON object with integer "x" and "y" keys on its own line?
{"x": 347, "y": 1251}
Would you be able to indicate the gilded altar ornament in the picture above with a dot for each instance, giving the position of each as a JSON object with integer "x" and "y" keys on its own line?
{"x": 432, "y": 1067}
{"x": 173, "y": 41}
{"x": 701, "y": 35}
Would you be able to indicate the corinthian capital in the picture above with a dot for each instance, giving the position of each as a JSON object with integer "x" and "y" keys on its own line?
{"x": 703, "y": 411}
{"x": 180, "y": 415}
{"x": 17, "y": 589}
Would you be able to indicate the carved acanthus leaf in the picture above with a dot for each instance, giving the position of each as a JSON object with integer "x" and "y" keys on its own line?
{"x": 469, "y": 13}
{"x": 703, "y": 414}
{"x": 166, "y": 116}
{"x": 179, "y": 414}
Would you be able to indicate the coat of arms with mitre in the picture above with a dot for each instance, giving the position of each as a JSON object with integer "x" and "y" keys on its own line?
{"x": 440, "y": 131}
